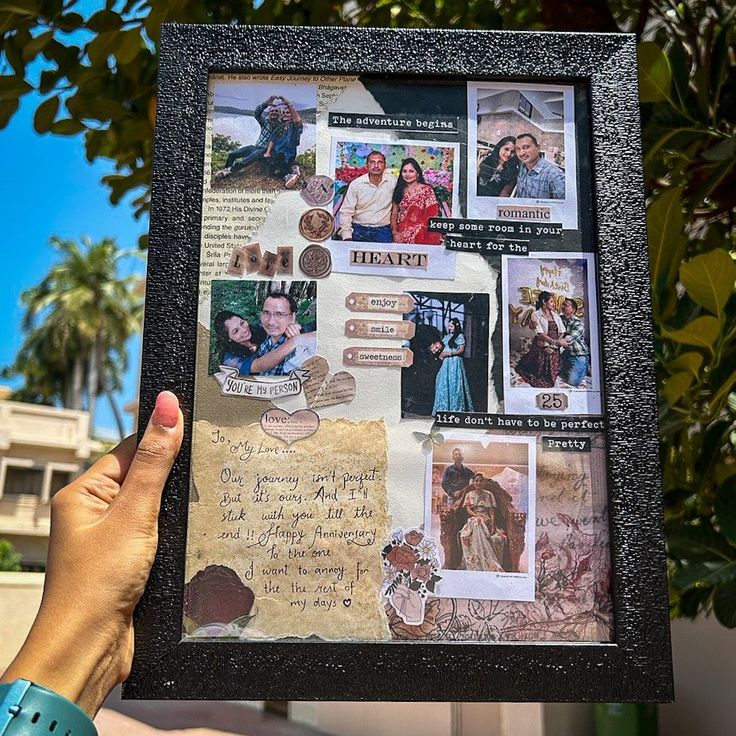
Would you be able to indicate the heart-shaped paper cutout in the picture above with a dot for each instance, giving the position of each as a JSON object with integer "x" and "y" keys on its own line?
{"x": 289, "y": 427}
{"x": 323, "y": 388}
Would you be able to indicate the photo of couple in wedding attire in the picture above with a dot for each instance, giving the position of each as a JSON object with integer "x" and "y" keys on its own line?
{"x": 480, "y": 504}
{"x": 450, "y": 348}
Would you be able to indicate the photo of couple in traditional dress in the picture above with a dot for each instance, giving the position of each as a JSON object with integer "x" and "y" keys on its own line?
{"x": 550, "y": 338}
{"x": 263, "y": 134}
{"x": 262, "y": 328}
{"x": 523, "y": 142}
{"x": 480, "y": 504}
{"x": 387, "y": 193}
{"x": 450, "y": 347}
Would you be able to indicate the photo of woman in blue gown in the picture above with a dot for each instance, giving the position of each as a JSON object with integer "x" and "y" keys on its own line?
{"x": 452, "y": 390}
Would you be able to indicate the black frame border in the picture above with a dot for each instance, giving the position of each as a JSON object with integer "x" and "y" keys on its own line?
{"x": 637, "y": 665}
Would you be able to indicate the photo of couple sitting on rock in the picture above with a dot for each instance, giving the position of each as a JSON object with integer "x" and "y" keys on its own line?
{"x": 261, "y": 148}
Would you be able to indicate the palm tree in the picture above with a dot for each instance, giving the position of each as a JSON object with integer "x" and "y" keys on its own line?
{"x": 77, "y": 323}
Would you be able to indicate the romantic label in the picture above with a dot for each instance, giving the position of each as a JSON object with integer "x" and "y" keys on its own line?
{"x": 405, "y": 123}
{"x": 389, "y": 258}
{"x": 395, "y": 303}
{"x": 302, "y": 525}
{"x": 519, "y": 212}
{"x": 495, "y": 228}
{"x": 498, "y": 247}
{"x": 380, "y": 329}
{"x": 378, "y": 357}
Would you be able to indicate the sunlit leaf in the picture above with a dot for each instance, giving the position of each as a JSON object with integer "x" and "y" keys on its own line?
{"x": 709, "y": 279}
{"x": 687, "y": 361}
{"x": 702, "y": 332}
{"x": 665, "y": 236}
{"x": 676, "y": 386}
{"x": 655, "y": 75}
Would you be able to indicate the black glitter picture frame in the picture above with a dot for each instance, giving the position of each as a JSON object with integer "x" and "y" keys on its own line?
{"x": 636, "y": 666}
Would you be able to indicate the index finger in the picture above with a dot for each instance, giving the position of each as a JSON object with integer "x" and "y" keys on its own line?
{"x": 114, "y": 465}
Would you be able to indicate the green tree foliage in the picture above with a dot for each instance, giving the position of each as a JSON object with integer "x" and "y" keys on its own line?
{"x": 76, "y": 326}
{"x": 688, "y": 91}
{"x": 100, "y": 80}
{"x": 9, "y": 558}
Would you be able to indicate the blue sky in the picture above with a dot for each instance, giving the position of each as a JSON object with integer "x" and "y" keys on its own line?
{"x": 48, "y": 188}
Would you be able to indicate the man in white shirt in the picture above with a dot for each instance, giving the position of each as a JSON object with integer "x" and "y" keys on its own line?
{"x": 365, "y": 214}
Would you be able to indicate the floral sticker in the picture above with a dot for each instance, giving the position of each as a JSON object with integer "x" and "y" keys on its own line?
{"x": 410, "y": 565}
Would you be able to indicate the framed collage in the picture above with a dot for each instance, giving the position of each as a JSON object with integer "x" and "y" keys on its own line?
{"x": 398, "y": 279}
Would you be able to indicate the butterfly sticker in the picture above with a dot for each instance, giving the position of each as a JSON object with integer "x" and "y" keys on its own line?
{"x": 429, "y": 441}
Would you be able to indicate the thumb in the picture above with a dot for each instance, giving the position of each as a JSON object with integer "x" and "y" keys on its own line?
{"x": 139, "y": 499}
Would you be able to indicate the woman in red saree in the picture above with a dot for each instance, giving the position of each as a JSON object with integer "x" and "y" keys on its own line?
{"x": 414, "y": 202}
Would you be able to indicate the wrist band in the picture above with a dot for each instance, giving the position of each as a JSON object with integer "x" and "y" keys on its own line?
{"x": 27, "y": 709}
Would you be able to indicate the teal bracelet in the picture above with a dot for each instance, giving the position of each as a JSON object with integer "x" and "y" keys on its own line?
{"x": 27, "y": 709}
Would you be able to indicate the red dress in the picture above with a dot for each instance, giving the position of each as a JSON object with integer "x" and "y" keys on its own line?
{"x": 415, "y": 209}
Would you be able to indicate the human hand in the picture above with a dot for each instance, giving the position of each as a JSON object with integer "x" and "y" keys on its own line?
{"x": 293, "y": 330}
{"x": 103, "y": 541}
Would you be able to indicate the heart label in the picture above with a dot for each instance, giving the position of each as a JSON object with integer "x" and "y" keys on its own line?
{"x": 323, "y": 388}
{"x": 346, "y": 602}
{"x": 289, "y": 427}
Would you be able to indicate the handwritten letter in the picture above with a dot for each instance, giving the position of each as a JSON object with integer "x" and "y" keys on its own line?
{"x": 301, "y": 524}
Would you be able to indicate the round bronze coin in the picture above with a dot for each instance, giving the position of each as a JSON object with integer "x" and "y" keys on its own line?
{"x": 316, "y": 261}
{"x": 318, "y": 190}
{"x": 316, "y": 224}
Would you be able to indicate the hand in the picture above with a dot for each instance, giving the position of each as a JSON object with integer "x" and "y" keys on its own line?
{"x": 293, "y": 330}
{"x": 563, "y": 343}
{"x": 103, "y": 540}
{"x": 444, "y": 354}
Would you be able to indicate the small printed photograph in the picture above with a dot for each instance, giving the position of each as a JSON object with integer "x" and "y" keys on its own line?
{"x": 480, "y": 498}
{"x": 262, "y": 328}
{"x": 263, "y": 134}
{"x": 550, "y": 340}
{"x": 521, "y": 152}
{"x": 387, "y": 192}
{"x": 450, "y": 347}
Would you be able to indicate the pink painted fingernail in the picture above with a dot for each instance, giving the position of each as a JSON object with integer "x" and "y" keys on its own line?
{"x": 166, "y": 413}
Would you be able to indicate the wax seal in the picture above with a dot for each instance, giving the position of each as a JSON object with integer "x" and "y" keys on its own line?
{"x": 315, "y": 261}
{"x": 316, "y": 224}
{"x": 318, "y": 190}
